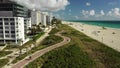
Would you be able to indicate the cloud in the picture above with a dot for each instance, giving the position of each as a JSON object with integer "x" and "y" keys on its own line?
{"x": 86, "y": 13}
{"x": 114, "y": 12}
{"x": 76, "y": 17}
{"x": 88, "y": 4}
{"x": 102, "y": 13}
{"x": 92, "y": 12}
{"x": 44, "y": 5}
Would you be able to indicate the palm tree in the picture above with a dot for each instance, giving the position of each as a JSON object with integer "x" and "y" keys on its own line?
{"x": 20, "y": 49}
{"x": 53, "y": 20}
{"x": 34, "y": 41}
{"x": 33, "y": 31}
{"x": 20, "y": 45}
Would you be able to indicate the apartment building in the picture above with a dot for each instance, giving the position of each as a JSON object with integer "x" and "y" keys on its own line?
{"x": 35, "y": 17}
{"x": 43, "y": 19}
{"x": 27, "y": 24}
{"x": 14, "y": 20}
{"x": 11, "y": 30}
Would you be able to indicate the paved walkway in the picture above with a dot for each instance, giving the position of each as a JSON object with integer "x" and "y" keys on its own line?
{"x": 24, "y": 49}
{"x": 39, "y": 53}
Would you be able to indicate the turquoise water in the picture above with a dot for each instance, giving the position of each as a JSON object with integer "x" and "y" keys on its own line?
{"x": 111, "y": 24}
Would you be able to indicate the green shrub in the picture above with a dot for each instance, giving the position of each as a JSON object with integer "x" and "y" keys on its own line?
{"x": 54, "y": 30}
{"x": 2, "y": 44}
{"x": 3, "y": 62}
{"x": 11, "y": 46}
{"x": 4, "y": 53}
{"x": 38, "y": 35}
{"x": 66, "y": 57}
{"x": 52, "y": 39}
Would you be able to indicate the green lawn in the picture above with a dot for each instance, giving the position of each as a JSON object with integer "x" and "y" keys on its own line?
{"x": 38, "y": 35}
{"x": 52, "y": 39}
{"x": 81, "y": 52}
{"x": 33, "y": 50}
{"x": 65, "y": 57}
{"x": 103, "y": 56}
{"x": 4, "y": 53}
{"x": 54, "y": 30}
{"x": 45, "y": 43}
{"x": 3, "y": 62}
{"x": 2, "y": 44}
{"x": 11, "y": 47}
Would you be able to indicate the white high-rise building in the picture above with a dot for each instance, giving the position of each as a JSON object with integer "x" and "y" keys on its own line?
{"x": 11, "y": 29}
{"x": 43, "y": 19}
{"x": 35, "y": 17}
{"x": 27, "y": 24}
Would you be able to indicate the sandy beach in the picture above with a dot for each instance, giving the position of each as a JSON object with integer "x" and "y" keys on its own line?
{"x": 108, "y": 36}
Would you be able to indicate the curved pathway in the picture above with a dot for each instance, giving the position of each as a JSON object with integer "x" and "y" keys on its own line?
{"x": 39, "y": 53}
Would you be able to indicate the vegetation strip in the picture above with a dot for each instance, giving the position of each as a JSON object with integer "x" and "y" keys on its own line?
{"x": 42, "y": 45}
{"x": 3, "y": 62}
{"x": 4, "y": 53}
{"x": 86, "y": 52}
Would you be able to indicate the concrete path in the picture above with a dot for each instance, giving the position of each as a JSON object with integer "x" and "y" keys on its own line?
{"x": 24, "y": 49}
{"x": 39, "y": 53}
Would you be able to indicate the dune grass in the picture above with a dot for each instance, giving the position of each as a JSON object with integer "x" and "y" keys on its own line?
{"x": 81, "y": 52}
{"x": 3, "y": 62}
{"x": 65, "y": 57}
{"x": 4, "y": 53}
{"x": 50, "y": 40}
{"x": 103, "y": 56}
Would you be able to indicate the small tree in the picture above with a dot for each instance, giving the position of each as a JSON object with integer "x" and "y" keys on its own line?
{"x": 34, "y": 40}
{"x": 20, "y": 49}
{"x": 54, "y": 20}
{"x": 20, "y": 45}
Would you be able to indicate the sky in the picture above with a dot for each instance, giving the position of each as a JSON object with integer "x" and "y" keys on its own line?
{"x": 76, "y": 9}
{"x": 90, "y": 10}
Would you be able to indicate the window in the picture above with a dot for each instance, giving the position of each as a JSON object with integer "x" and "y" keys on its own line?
{"x": 1, "y": 23}
{"x": 11, "y": 19}
{"x": 0, "y": 19}
{"x": 1, "y": 41}
{"x": 6, "y": 23}
{"x": 13, "y": 36}
{"x": 12, "y": 23}
{"x": 12, "y": 31}
{"x": 6, "y": 19}
{"x": 1, "y": 31}
{"x": 6, "y": 27}
{"x": 7, "y": 36}
{"x": 1, "y": 27}
{"x": 6, "y": 31}
{"x": 12, "y": 27}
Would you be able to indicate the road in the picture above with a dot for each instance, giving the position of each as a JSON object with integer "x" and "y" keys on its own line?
{"x": 39, "y": 53}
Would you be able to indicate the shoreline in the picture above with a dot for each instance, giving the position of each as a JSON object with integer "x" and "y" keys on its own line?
{"x": 107, "y": 35}
{"x": 94, "y": 25}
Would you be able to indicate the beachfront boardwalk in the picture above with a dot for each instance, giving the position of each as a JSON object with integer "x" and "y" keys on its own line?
{"x": 39, "y": 53}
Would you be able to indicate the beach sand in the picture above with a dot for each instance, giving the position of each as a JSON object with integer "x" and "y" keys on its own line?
{"x": 108, "y": 36}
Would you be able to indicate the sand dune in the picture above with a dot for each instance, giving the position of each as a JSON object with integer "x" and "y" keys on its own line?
{"x": 108, "y": 36}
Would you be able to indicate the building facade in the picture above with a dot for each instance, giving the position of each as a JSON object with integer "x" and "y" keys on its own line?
{"x": 27, "y": 24}
{"x": 14, "y": 20}
{"x": 35, "y": 17}
{"x": 11, "y": 29}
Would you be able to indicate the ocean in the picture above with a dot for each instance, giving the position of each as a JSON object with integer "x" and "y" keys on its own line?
{"x": 111, "y": 24}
